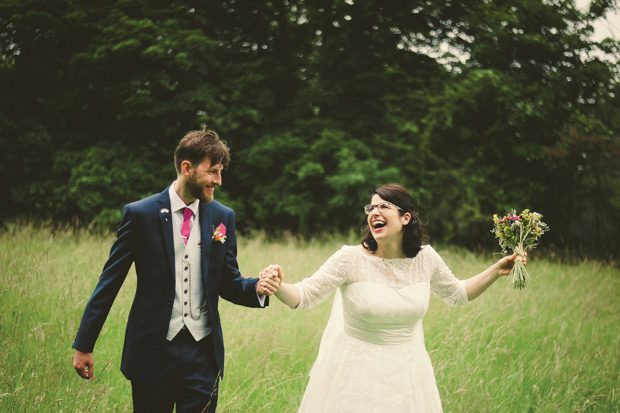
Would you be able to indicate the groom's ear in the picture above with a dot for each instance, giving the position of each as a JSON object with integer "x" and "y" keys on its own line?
{"x": 186, "y": 168}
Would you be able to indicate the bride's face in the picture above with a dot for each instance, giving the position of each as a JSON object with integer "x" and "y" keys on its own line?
{"x": 384, "y": 220}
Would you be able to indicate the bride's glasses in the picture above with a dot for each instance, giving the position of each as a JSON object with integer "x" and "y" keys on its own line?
{"x": 381, "y": 207}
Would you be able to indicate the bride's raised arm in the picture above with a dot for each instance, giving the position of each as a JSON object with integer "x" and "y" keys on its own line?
{"x": 477, "y": 284}
{"x": 312, "y": 290}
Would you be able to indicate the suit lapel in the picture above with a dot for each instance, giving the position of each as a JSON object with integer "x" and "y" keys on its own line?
{"x": 165, "y": 218}
{"x": 206, "y": 238}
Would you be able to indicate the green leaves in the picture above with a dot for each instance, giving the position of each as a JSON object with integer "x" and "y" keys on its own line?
{"x": 101, "y": 176}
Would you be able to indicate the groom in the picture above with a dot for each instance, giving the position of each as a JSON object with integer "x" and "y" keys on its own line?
{"x": 184, "y": 248}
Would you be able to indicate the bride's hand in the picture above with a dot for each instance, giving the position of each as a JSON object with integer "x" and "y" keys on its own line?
{"x": 274, "y": 270}
{"x": 505, "y": 264}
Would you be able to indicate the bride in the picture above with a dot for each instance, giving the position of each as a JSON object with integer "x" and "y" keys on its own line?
{"x": 372, "y": 356}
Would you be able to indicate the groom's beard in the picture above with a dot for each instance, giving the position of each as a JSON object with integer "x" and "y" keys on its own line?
{"x": 197, "y": 190}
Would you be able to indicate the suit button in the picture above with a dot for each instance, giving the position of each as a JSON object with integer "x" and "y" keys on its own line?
{"x": 185, "y": 292}
{"x": 185, "y": 314}
{"x": 185, "y": 280}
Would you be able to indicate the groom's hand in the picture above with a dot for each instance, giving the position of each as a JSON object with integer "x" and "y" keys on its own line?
{"x": 83, "y": 364}
{"x": 269, "y": 281}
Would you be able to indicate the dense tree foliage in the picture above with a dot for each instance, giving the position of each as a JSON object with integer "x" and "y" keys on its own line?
{"x": 476, "y": 107}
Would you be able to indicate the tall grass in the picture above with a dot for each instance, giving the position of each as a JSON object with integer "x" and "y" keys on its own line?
{"x": 554, "y": 347}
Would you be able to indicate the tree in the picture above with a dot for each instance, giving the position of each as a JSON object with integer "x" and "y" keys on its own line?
{"x": 477, "y": 107}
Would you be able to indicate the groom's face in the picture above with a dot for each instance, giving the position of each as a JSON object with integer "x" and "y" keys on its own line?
{"x": 203, "y": 180}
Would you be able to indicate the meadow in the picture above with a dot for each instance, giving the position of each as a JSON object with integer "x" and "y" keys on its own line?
{"x": 554, "y": 347}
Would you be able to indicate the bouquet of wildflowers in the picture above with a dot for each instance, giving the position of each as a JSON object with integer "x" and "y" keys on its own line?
{"x": 519, "y": 233}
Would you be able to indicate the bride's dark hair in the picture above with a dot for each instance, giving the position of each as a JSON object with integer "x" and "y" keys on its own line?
{"x": 413, "y": 232}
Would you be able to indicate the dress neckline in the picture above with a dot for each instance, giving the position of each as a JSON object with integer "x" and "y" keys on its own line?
{"x": 365, "y": 252}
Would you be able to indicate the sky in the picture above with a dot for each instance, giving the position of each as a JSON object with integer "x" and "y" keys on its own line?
{"x": 607, "y": 27}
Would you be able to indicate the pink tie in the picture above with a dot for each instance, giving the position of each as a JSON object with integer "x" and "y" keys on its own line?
{"x": 187, "y": 216}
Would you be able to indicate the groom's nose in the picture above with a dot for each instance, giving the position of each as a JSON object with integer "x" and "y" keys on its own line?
{"x": 217, "y": 179}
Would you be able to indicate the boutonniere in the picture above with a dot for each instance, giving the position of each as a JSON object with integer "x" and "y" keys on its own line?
{"x": 219, "y": 233}
{"x": 164, "y": 211}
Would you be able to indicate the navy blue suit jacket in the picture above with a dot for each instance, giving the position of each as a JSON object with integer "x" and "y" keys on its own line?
{"x": 146, "y": 239}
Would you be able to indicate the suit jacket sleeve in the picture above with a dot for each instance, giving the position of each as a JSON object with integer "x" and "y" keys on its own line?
{"x": 112, "y": 277}
{"x": 235, "y": 288}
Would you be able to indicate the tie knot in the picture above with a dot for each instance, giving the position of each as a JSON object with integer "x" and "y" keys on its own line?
{"x": 187, "y": 213}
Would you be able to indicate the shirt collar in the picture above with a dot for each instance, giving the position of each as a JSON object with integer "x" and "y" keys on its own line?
{"x": 176, "y": 203}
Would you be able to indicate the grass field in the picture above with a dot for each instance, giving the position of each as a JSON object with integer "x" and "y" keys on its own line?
{"x": 554, "y": 347}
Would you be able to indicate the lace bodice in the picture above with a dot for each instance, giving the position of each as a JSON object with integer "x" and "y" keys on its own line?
{"x": 352, "y": 265}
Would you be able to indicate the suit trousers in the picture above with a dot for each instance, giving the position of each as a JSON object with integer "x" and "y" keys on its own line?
{"x": 189, "y": 378}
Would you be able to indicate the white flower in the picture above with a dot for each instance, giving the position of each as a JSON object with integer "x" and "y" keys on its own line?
{"x": 164, "y": 211}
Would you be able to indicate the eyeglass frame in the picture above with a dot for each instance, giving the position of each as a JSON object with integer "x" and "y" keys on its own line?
{"x": 370, "y": 207}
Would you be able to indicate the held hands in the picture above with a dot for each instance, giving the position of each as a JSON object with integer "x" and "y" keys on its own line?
{"x": 505, "y": 264}
{"x": 83, "y": 364}
{"x": 270, "y": 280}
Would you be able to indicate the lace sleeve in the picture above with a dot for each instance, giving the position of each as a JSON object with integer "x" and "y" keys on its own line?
{"x": 444, "y": 284}
{"x": 329, "y": 277}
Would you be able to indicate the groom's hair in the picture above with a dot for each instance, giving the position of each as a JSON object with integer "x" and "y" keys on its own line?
{"x": 413, "y": 232}
{"x": 197, "y": 145}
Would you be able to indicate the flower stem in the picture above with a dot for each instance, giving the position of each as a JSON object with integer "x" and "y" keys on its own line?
{"x": 519, "y": 275}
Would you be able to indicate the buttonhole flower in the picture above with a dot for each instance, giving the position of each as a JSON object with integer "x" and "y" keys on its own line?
{"x": 219, "y": 233}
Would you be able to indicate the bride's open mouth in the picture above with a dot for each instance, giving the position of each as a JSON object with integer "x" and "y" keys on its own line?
{"x": 378, "y": 224}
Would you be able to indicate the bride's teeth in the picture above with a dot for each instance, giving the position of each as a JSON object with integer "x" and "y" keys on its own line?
{"x": 379, "y": 224}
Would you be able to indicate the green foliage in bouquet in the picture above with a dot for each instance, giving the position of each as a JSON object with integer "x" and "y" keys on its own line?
{"x": 519, "y": 233}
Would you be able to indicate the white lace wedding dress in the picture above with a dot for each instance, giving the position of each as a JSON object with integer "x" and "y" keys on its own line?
{"x": 372, "y": 356}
